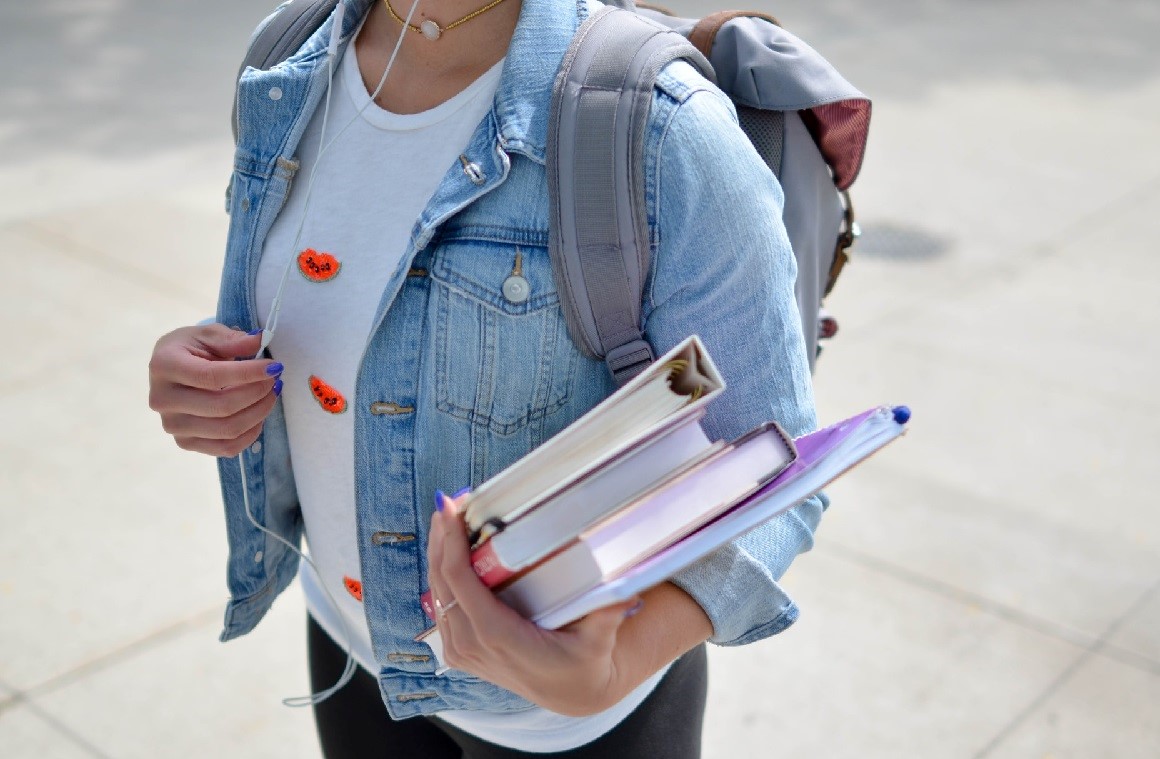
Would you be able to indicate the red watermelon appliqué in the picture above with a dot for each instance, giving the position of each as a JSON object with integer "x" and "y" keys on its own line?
{"x": 330, "y": 399}
{"x": 318, "y": 267}
{"x": 354, "y": 587}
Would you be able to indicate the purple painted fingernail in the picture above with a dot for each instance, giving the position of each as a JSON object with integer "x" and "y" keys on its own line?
{"x": 439, "y": 500}
{"x": 275, "y": 369}
{"x": 277, "y": 387}
{"x": 462, "y": 492}
{"x": 253, "y": 332}
{"x": 633, "y": 610}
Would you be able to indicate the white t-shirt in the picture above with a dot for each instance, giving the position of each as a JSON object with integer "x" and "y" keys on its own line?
{"x": 368, "y": 190}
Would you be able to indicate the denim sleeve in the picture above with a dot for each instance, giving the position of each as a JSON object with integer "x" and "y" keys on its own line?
{"x": 723, "y": 269}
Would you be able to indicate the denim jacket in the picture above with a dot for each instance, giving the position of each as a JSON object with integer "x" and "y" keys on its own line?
{"x": 457, "y": 382}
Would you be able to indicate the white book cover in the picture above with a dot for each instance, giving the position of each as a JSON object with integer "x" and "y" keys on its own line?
{"x": 674, "y": 388}
{"x": 553, "y": 523}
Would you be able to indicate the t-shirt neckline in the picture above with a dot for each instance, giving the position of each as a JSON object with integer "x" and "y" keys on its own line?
{"x": 381, "y": 118}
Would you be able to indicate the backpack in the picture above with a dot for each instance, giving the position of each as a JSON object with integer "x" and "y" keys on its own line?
{"x": 804, "y": 119}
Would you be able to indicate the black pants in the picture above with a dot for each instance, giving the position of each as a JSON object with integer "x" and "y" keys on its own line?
{"x": 354, "y": 722}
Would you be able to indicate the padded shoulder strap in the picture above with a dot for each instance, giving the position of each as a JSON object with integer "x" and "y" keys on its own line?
{"x": 285, "y": 32}
{"x": 599, "y": 240}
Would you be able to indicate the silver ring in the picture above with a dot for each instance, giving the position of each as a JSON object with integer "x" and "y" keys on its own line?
{"x": 441, "y": 608}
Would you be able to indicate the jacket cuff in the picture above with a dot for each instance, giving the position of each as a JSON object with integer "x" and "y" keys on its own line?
{"x": 737, "y": 584}
{"x": 740, "y": 597}
{"x": 243, "y": 614}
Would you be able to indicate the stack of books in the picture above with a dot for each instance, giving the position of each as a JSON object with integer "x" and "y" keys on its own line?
{"x": 634, "y": 491}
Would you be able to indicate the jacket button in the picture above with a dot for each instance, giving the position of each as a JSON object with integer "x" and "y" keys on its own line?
{"x": 275, "y": 93}
{"x": 405, "y": 697}
{"x": 381, "y": 408}
{"x": 256, "y": 448}
{"x": 516, "y": 289}
{"x": 383, "y": 538}
{"x": 473, "y": 171}
{"x": 399, "y": 656}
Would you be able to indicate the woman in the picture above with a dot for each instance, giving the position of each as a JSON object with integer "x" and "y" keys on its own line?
{"x": 400, "y": 367}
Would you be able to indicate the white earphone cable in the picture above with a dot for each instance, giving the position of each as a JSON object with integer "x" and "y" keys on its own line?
{"x": 276, "y": 305}
{"x": 276, "y": 308}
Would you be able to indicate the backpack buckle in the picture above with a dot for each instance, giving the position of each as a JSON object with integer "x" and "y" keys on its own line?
{"x": 626, "y": 361}
{"x": 846, "y": 239}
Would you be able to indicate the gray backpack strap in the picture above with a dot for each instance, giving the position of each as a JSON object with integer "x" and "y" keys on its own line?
{"x": 599, "y": 239}
{"x": 281, "y": 37}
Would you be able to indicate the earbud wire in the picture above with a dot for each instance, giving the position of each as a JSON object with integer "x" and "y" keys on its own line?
{"x": 272, "y": 323}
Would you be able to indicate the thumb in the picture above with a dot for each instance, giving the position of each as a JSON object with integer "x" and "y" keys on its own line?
{"x": 219, "y": 341}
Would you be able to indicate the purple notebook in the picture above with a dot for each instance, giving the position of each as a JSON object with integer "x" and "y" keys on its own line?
{"x": 815, "y": 446}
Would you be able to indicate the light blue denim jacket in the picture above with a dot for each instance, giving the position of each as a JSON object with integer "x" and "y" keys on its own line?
{"x": 477, "y": 380}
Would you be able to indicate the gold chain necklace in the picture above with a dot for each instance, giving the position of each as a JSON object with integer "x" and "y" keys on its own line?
{"x": 432, "y": 30}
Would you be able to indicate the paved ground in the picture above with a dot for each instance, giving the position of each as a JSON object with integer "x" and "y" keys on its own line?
{"x": 987, "y": 588}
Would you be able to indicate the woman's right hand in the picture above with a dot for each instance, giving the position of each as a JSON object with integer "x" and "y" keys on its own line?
{"x": 208, "y": 401}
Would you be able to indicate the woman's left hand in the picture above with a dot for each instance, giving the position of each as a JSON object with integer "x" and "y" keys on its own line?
{"x": 572, "y": 671}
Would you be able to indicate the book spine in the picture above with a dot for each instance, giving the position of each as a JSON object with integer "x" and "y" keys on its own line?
{"x": 488, "y": 567}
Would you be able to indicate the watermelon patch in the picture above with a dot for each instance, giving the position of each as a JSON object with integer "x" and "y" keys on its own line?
{"x": 330, "y": 399}
{"x": 317, "y": 266}
{"x": 354, "y": 587}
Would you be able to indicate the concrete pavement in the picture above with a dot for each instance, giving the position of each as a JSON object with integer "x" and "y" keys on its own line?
{"x": 989, "y": 587}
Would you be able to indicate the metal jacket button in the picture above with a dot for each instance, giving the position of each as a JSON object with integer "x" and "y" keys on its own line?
{"x": 405, "y": 697}
{"x": 473, "y": 171}
{"x": 516, "y": 289}
{"x": 381, "y": 408}
{"x": 383, "y": 538}
{"x": 409, "y": 658}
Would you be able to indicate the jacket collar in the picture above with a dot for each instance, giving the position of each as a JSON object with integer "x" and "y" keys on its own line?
{"x": 542, "y": 36}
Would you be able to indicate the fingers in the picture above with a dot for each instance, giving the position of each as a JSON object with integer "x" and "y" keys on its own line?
{"x": 233, "y": 426}
{"x": 439, "y": 588}
{"x": 483, "y": 636}
{"x": 202, "y": 357}
{"x": 215, "y": 404}
{"x": 479, "y": 631}
{"x": 221, "y": 448}
{"x": 208, "y": 401}
{"x": 455, "y": 570}
{"x": 221, "y": 342}
{"x": 177, "y": 365}
{"x": 452, "y": 633}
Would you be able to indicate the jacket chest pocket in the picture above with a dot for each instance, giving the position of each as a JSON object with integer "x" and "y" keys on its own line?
{"x": 503, "y": 359}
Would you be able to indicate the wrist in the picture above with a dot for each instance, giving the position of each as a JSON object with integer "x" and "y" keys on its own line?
{"x": 669, "y": 624}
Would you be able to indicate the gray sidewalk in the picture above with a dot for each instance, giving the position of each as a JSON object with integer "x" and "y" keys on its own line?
{"x": 988, "y": 587}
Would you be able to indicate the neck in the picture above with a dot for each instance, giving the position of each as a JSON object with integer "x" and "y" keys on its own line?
{"x": 428, "y": 72}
